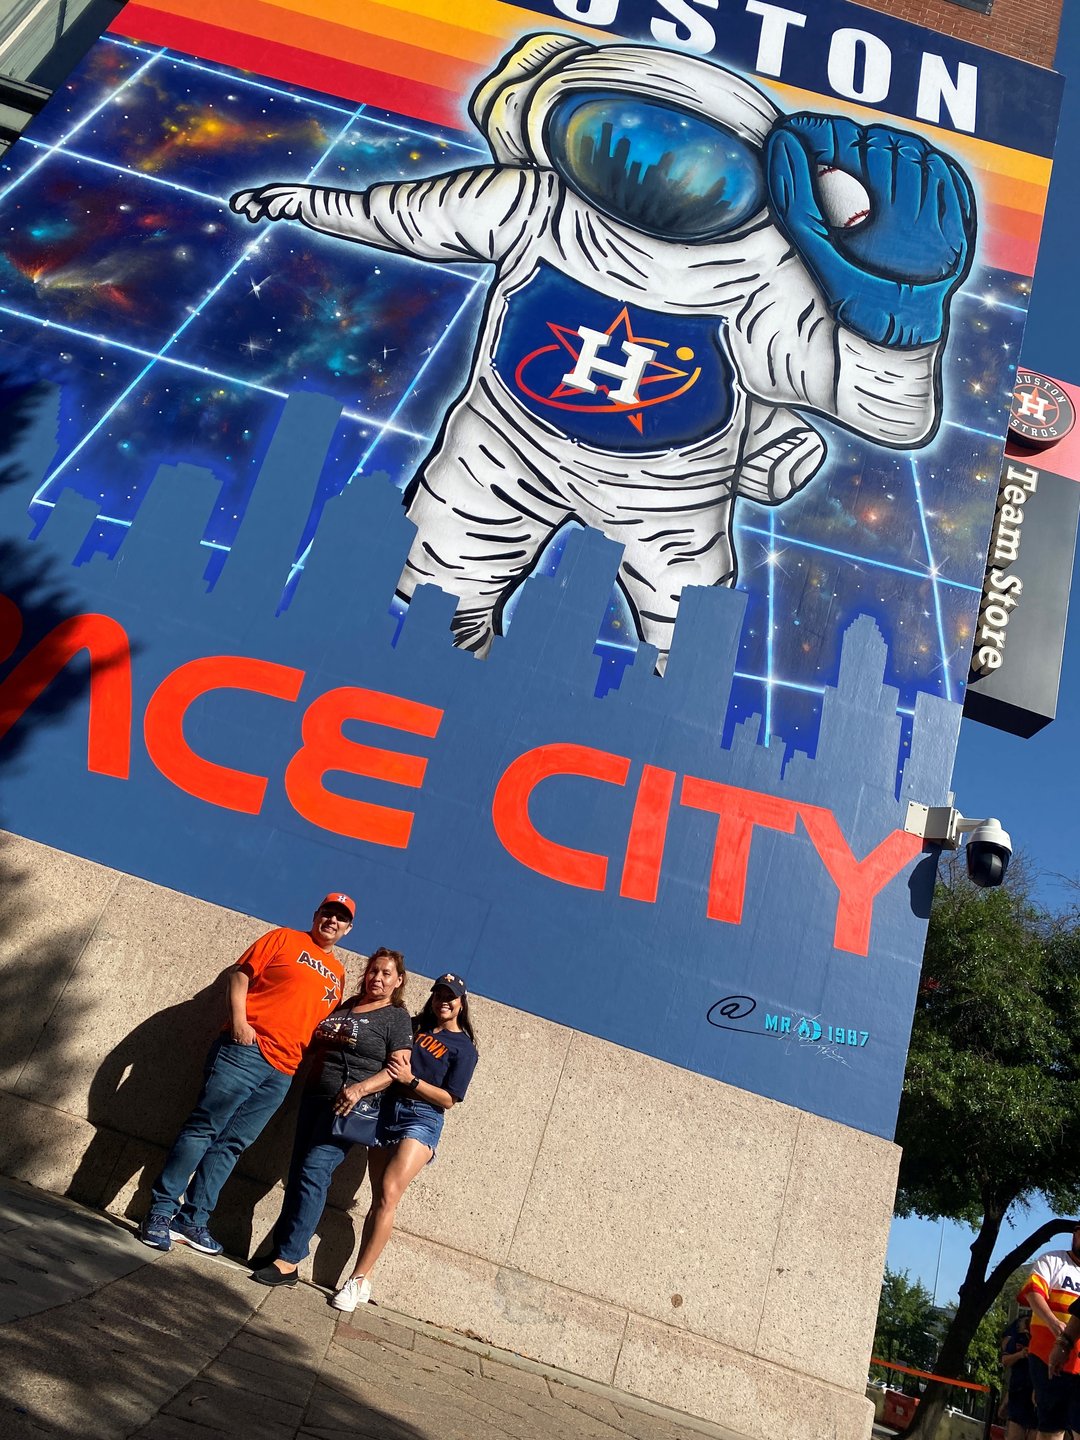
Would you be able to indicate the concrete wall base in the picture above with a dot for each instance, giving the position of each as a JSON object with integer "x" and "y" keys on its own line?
{"x": 592, "y": 1208}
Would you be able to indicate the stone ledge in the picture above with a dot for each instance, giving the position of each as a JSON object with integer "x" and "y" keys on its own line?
{"x": 757, "y": 1397}
{"x": 375, "y": 1323}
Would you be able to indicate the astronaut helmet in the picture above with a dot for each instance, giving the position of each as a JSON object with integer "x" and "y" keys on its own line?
{"x": 660, "y": 141}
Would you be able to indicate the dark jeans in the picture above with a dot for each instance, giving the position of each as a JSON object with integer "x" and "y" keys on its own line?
{"x": 240, "y": 1092}
{"x": 316, "y": 1155}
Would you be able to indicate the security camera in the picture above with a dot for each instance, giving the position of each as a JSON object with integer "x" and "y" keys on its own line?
{"x": 988, "y": 853}
{"x": 989, "y": 848}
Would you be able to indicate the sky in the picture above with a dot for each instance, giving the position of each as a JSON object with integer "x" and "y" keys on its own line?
{"x": 1032, "y": 786}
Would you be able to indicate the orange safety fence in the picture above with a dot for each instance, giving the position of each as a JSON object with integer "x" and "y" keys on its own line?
{"x": 929, "y": 1375}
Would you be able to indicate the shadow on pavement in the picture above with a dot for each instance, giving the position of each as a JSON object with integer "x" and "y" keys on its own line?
{"x": 177, "y": 1345}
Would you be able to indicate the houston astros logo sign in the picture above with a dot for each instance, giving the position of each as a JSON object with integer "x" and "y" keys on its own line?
{"x": 598, "y": 380}
{"x": 1041, "y": 413}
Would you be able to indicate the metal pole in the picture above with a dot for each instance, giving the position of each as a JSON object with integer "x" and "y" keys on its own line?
{"x": 937, "y": 1267}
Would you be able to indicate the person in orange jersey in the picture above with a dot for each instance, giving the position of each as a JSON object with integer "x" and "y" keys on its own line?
{"x": 279, "y": 990}
{"x": 1051, "y": 1290}
{"x": 1062, "y": 1347}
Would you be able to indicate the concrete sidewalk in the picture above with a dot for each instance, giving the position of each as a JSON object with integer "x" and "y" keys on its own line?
{"x": 104, "y": 1338}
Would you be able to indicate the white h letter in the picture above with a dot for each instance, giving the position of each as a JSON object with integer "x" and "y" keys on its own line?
{"x": 593, "y": 341}
{"x": 1034, "y": 404}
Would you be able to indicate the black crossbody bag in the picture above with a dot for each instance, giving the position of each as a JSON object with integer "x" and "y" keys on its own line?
{"x": 361, "y": 1123}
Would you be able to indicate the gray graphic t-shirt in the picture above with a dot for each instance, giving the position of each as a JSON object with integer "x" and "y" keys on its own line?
{"x": 351, "y": 1046}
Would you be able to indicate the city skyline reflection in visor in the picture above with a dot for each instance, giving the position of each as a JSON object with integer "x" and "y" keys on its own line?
{"x": 671, "y": 174}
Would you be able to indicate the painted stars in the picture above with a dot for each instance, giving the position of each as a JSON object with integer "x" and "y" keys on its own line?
{"x": 309, "y": 312}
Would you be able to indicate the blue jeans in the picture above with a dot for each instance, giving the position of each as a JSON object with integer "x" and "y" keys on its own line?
{"x": 316, "y": 1155}
{"x": 240, "y": 1092}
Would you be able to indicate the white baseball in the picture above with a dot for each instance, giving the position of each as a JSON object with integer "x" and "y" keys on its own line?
{"x": 843, "y": 199}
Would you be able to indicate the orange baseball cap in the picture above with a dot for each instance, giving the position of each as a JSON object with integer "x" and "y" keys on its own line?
{"x": 338, "y": 899}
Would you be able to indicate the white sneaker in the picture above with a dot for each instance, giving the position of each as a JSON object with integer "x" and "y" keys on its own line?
{"x": 354, "y": 1292}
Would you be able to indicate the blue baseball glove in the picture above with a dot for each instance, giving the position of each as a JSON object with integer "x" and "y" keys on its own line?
{"x": 889, "y": 278}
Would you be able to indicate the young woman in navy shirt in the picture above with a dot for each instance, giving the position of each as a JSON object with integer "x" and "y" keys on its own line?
{"x": 427, "y": 1084}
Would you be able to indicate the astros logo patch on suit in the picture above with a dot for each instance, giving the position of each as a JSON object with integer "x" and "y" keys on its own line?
{"x": 673, "y": 285}
{"x": 279, "y": 991}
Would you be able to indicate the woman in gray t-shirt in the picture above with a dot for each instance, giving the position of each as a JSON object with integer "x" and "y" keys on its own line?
{"x": 352, "y": 1048}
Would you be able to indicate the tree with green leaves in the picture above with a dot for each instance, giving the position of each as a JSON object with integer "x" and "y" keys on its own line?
{"x": 983, "y": 1360}
{"x": 908, "y": 1323}
{"x": 990, "y": 1115}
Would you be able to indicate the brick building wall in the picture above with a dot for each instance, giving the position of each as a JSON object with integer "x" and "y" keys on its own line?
{"x": 1027, "y": 29}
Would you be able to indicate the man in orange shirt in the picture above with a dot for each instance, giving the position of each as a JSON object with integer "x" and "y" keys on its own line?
{"x": 1051, "y": 1290}
{"x": 279, "y": 990}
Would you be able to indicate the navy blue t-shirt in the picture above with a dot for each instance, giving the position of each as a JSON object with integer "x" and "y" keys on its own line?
{"x": 1019, "y": 1376}
{"x": 446, "y": 1058}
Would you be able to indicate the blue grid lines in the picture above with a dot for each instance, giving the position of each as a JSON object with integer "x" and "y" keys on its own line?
{"x": 406, "y": 394}
{"x": 871, "y": 562}
{"x": 351, "y": 322}
{"x": 193, "y": 315}
{"x": 116, "y": 169}
{"x": 371, "y": 427}
{"x": 234, "y": 77}
{"x": 771, "y": 622}
{"x": 50, "y": 150}
{"x": 934, "y": 580}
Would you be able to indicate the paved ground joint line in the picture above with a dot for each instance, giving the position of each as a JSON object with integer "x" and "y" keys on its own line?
{"x": 618, "y": 1352}
{"x": 552, "y": 1374}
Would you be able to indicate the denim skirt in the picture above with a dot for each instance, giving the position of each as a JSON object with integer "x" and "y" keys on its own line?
{"x": 405, "y": 1118}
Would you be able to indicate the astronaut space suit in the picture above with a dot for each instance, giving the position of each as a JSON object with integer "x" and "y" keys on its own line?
{"x": 666, "y": 286}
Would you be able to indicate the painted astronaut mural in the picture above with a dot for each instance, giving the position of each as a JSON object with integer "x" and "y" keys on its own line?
{"x": 676, "y": 278}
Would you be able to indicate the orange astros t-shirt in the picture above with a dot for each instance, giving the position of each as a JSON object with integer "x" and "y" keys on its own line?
{"x": 294, "y": 985}
{"x": 1057, "y": 1279}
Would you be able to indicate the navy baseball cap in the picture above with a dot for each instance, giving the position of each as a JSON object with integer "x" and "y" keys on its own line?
{"x": 453, "y": 983}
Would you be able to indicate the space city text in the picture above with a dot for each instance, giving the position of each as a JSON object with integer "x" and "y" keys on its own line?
{"x": 326, "y": 750}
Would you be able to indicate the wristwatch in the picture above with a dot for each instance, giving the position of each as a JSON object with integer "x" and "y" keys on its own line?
{"x": 413, "y": 1083}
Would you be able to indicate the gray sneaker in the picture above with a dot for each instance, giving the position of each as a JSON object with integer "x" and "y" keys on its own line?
{"x": 154, "y": 1231}
{"x": 196, "y": 1237}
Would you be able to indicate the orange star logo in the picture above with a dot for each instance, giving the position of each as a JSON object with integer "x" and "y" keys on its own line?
{"x": 675, "y": 380}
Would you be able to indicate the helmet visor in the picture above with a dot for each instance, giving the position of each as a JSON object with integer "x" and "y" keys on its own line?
{"x": 657, "y": 168}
